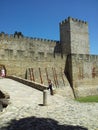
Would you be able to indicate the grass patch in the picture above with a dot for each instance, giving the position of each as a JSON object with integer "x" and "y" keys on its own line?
{"x": 88, "y": 99}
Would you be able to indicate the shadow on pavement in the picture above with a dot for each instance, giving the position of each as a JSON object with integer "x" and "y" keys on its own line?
{"x": 35, "y": 123}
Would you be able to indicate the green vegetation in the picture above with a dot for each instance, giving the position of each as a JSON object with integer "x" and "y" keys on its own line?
{"x": 88, "y": 99}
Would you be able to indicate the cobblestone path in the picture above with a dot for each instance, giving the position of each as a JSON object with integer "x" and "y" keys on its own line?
{"x": 26, "y": 112}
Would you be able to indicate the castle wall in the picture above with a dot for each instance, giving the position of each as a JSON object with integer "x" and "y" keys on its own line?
{"x": 40, "y": 59}
{"x": 19, "y": 54}
{"x": 43, "y": 60}
{"x": 85, "y": 74}
{"x": 35, "y": 59}
{"x": 17, "y": 48}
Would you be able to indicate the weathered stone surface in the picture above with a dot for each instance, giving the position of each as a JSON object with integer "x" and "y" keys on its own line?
{"x": 74, "y": 36}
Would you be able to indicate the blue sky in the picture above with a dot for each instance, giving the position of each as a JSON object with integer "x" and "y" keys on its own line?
{"x": 41, "y": 18}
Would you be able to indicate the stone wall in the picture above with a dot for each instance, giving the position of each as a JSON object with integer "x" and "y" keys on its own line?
{"x": 74, "y": 36}
{"x": 84, "y": 76}
{"x": 28, "y": 48}
{"x": 20, "y": 55}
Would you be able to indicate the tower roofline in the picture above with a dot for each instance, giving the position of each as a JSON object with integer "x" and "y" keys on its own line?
{"x": 72, "y": 19}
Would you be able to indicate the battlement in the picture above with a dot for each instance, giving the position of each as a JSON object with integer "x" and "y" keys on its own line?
{"x": 12, "y": 37}
{"x": 69, "y": 19}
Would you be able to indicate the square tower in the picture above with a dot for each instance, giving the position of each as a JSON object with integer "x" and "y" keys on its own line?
{"x": 74, "y": 36}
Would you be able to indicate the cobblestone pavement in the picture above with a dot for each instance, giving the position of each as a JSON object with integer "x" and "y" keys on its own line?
{"x": 26, "y": 111}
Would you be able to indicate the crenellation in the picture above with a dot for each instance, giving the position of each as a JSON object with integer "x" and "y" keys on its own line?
{"x": 78, "y": 20}
{"x": 69, "y": 19}
{"x": 63, "y": 22}
{"x": 42, "y": 40}
{"x": 12, "y": 37}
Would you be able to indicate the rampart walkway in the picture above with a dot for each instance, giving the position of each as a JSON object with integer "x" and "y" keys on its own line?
{"x": 26, "y": 112}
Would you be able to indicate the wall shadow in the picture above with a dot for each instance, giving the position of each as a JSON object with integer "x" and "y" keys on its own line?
{"x": 35, "y": 123}
{"x": 68, "y": 72}
{"x": 58, "y": 49}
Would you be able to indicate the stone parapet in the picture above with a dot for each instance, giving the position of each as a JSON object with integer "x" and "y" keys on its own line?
{"x": 12, "y": 37}
{"x": 69, "y": 19}
{"x": 32, "y": 84}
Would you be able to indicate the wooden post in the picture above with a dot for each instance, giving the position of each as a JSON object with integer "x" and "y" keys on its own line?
{"x": 30, "y": 74}
{"x": 54, "y": 77}
{"x": 40, "y": 76}
{"x": 33, "y": 75}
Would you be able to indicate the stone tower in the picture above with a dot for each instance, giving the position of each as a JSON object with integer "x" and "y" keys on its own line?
{"x": 74, "y": 36}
